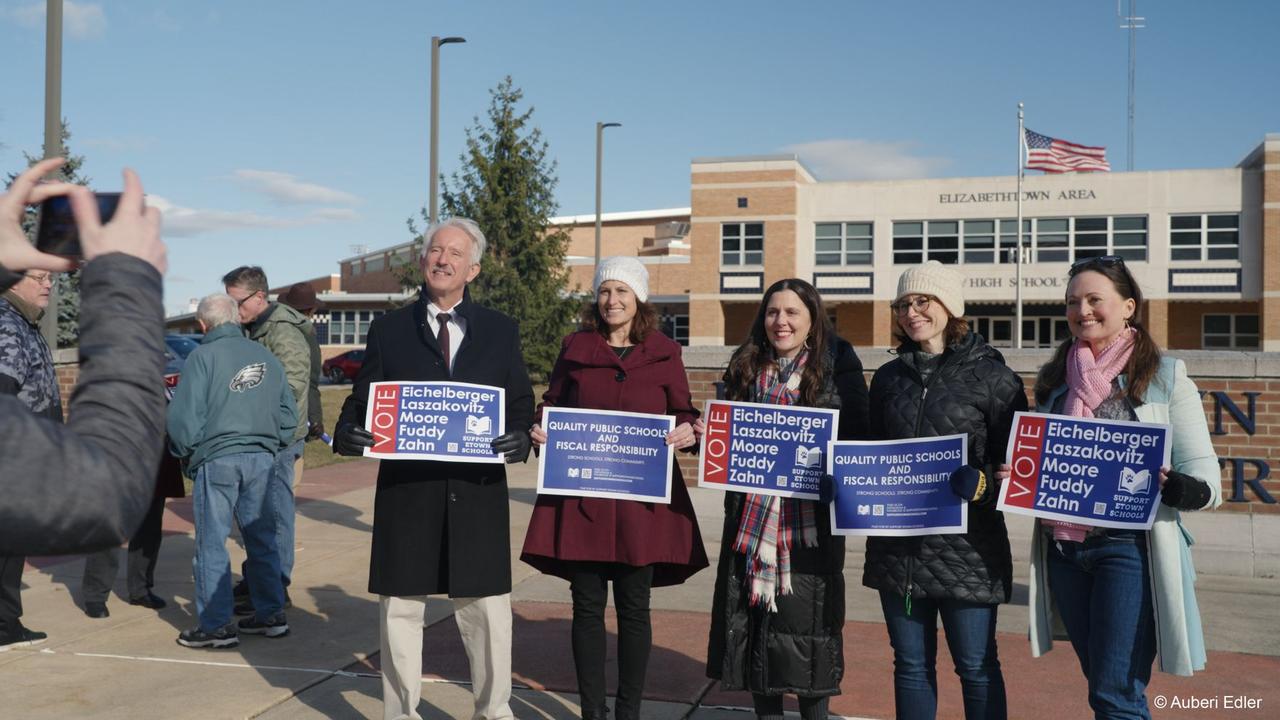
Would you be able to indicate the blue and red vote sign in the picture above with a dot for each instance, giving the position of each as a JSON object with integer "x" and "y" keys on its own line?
{"x": 1104, "y": 473}
{"x": 606, "y": 454}
{"x": 448, "y": 421}
{"x": 898, "y": 487}
{"x": 766, "y": 449}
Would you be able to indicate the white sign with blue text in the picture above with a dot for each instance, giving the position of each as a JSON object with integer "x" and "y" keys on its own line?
{"x": 765, "y": 449}
{"x": 606, "y": 454}
{"x": 1104, "y": 473}
{"x": 898, "y": 487}
{"x": 447, "y": 421}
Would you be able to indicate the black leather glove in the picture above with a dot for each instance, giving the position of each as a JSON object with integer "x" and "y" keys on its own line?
{"x": 315, "y": 432}
{"x": 351, "y": 440}
{"x": 1184, "y": 492}
{"x": 514, "y": 445}
{"x": 826, "y": 488}
{"x": 968, "y": 482}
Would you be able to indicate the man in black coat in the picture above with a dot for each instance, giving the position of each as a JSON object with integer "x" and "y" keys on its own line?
{"x": 443, "y": 527}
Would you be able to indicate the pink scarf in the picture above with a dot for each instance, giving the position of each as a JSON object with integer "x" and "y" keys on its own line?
{"x": 1089, "y": 380}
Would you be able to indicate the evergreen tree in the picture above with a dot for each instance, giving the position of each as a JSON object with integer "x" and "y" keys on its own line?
{"x": 68, "y": 284}
{"x": 507, "y": 186}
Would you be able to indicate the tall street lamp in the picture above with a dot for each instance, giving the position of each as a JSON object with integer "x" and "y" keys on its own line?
{"x": 599, "y": 159}
{"x": 436, "y": 42}
{"x": 52, "y": 133}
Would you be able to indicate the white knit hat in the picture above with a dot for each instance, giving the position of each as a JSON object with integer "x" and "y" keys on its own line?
{"x": 624, "y": 269}
{"x": 940, "y": 281}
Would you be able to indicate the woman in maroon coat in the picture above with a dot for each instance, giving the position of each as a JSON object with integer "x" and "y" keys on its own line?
{"x": 619, "y": 362}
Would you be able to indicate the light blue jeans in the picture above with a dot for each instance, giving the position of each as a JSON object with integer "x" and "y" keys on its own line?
{"x": 234, "y": 486}
{"x": 280, "y": 496}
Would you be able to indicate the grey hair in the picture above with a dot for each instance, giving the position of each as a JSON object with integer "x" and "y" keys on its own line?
{"x": 217, "y": 309}
{"x": 478, "y": 242}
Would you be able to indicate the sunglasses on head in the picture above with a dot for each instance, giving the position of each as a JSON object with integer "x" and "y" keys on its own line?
{"x": 1095, "y": 262}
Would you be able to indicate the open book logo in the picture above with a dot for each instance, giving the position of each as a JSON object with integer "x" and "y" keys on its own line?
{"x": 808, "y": 457}
{"x": 1135, "y": 482}
{"x": 479, "y": 425}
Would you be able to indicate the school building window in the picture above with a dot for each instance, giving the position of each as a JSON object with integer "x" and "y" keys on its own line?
{"x": 350, "y": 327}
{"x": 1233, "y": 332}
{"x": 1062, "y": 239}
{"x": 1074, "y": 239}
{"x": 742, "y": 244}
{"x": 375, "y": 264}
{"x": 676, "y": 327}
{"x": 1204, "y": 237}
{"x": 916, "y": 242}
{"x": 842, "y": 243}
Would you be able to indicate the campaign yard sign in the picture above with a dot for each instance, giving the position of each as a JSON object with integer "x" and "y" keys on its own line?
{"x": 1104, "y": 473}
{"x": 606, "y": 454}
{"x": 898, "y": 487}
{"x": 767, "y": 449}
{"x": 449, "y": 421}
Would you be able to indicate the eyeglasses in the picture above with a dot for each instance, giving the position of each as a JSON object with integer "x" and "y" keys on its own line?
{"x": 40, "y": 278}
{"x": 1096, "y": 261}
{"x": 246, "y": 298}
{"x": 920, "y": 304}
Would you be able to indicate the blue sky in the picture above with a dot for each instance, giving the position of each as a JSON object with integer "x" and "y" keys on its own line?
{"x": 284, "y": 133}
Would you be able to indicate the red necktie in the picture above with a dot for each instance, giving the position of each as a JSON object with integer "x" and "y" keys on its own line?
{"x": 442, "y": 337}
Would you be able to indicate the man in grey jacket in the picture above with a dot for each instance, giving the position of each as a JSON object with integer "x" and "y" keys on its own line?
{"x": 85, "y": 485}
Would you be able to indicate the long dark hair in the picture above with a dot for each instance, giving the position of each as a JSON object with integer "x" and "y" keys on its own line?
{"x": 645, "y": 321}
{"x": 756, "y": 354}
{"x": 1143, "y": 364}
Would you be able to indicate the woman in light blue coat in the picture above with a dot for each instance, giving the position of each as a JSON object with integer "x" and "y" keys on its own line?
{"x": 1124, "y": 597}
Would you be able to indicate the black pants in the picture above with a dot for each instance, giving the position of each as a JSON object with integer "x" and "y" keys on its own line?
{"x": 590, "y": 587}
{"x": 10, "y": 599}
{"x": 144, "y": 549}
{"x": 770, "y": 706}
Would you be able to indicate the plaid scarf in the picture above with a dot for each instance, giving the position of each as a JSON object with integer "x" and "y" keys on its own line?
{"x": 770, "y": 525}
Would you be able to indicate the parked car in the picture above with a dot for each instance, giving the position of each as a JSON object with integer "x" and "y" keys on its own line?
{"x": 176, "y": 349}
{"x": 343, "y": 368}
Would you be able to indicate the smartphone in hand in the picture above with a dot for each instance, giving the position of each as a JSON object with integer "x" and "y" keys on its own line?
{"x": 56, "y": 232}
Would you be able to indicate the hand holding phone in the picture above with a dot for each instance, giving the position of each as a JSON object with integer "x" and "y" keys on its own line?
{"x": 56, "y": 233}
{"x": 16, "y": 252}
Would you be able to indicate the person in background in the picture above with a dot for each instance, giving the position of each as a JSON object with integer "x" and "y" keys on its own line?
{"x": 618, "y": 361}
{"x": 302, "y": 297}
{"x": 946, "y": 380}
{"x": 1126, "y": 597}
{"x": 777, "y": 615}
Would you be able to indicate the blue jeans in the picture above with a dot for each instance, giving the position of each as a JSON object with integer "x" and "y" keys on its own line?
{"x": 1103, "y": 594}
{"x": 226, "y": 487}
{"x": 282, "y": 507}
{"x": 971, "y": 637}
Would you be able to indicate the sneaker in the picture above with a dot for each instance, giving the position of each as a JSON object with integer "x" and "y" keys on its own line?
{"x": 96, "y": 609}
{"x": 150, "y": 601}
{"x": 224, "y": 637}
{"x": 273, "y": 628}
{"x": 22, "y": 637}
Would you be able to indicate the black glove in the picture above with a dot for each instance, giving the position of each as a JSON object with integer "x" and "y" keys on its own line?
{"x": 826, "y": 488}
{"x": 315, "y": 432}
{"x": 351, "y": 440}
{"x": 1184, "y": 492}
{"x": 968, "y": 482}
{"x": 514, "y": 445}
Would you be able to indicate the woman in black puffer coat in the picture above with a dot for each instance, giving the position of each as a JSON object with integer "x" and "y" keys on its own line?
{"x": 790, "y": 642}
{"x": 946, "y": 380}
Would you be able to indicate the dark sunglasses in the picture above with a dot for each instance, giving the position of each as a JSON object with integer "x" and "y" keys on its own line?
{"x": 1097, "y": 261}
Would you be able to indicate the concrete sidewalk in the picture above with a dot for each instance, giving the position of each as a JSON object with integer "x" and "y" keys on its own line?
{"x": 128, "y": 666}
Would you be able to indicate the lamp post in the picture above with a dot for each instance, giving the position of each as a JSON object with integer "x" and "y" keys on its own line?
{"x": 52, "y": 133}
{"x": 599, "y": 160}
{"x": 436, "y": 42}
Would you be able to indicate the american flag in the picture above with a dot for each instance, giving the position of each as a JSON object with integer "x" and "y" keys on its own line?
{"x": 1058, "y": 156}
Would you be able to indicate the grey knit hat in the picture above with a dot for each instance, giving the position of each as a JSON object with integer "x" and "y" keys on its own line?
{"x": 624, "y": 269}
{"x": 933, "y": 278}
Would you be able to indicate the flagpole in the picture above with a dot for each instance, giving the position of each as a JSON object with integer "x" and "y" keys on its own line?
{"x": 1017, "y": 323}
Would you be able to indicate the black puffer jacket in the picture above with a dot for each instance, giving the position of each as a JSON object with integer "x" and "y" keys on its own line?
{"x": 798, "y": 649}
{"x": 972, "y": 392}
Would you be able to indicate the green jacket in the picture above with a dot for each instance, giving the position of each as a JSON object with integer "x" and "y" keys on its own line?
{"x": 232, "y": 398}
{"x": 282, "y": 330}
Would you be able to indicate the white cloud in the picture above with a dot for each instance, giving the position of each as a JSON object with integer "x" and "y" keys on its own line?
{"x": 287, "y": 189}
{"x": 79, "y": 20}
{"x": 182, "y": 221}
{"x": 866, "y": 160}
